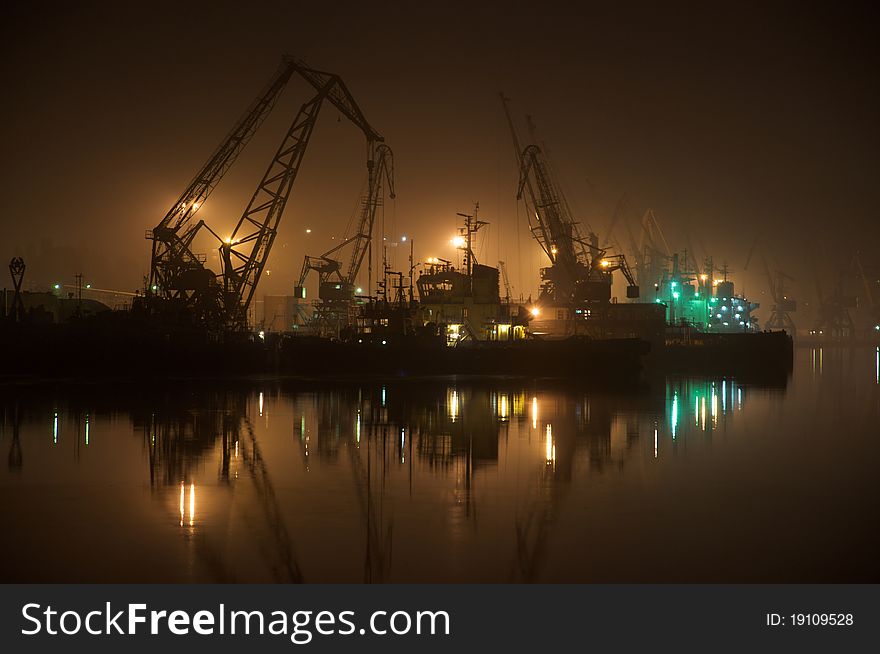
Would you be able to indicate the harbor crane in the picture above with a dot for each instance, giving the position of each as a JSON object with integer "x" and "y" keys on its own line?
{"x": 783, "y": 306}
{"x": 222, "y": 300}
{"x": 580, "y": 270}
{"x": 176, "y": 273}
{"x": 834, "y": 320}
{"x": 337, "y": 287}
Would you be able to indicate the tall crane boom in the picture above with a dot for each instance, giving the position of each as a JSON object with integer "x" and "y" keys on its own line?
{"x": 171, "y": 254}
{"x": 579, "y": 271}
{"x": 379, "y": 169}
{"x": 245, "y": 252}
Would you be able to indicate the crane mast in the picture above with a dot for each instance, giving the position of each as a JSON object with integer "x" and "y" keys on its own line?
{"x": 336, "y": 287}
{"x": 379, "y": 169}
{"x": 245, "y": 252}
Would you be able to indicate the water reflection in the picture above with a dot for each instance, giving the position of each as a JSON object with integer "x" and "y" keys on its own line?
{"x": 396, "y": 481}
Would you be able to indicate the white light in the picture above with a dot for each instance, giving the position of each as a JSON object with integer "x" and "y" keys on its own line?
{"x": 359, "y": 290}
{"x": 535, "y": 311}
{"x": 308, "y": 231}
{"x": 458, "y": 241}
{"x": 403, "y": 239}
{"x": 384, "y": 342}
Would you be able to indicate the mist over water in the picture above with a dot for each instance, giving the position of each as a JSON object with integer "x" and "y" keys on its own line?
{"x": 687, "y": 479}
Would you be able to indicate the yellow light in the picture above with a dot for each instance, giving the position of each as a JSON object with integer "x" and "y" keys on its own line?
{"x": 458, "y": 241}
{"x": 228, "y": 241}
{"x": 534, "y": 413}
{"x": 192, "y": 503}
{"x": 704, "y": 277}
{"x": 535, "y": 311}
{"x": 715, "y": 282}
{"x": 549, "y": 447}
{"x": 553, "y": 250}
{"x": 605, "y": 263}
{"x": 453, "y": 406}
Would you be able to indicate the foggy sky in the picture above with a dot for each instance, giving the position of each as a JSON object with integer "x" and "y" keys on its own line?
{"x": 732, "y": 121}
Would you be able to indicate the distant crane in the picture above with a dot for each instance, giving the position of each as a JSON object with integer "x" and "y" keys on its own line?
{"x": 783, "y": 306}
{"x": 653, "y": 250}
{"x": 834, "y": 320}
{"x": 503, "y": 268}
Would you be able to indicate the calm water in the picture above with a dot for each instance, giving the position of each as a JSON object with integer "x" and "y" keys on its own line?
{"x": 692, "y": 479}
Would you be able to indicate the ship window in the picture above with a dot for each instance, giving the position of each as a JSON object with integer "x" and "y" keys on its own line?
{"x": 383, "y": 322}
{"x": 464, "y": 313}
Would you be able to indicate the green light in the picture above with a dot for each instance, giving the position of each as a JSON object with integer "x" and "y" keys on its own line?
{"x": 674, "y": 416}
{"x": 673, "y": 284}
{"x": 675, "y": 295}
{"x": 57, "y": 286}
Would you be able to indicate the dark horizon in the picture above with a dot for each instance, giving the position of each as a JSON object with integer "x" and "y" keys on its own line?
{"x": 733, "y": 124}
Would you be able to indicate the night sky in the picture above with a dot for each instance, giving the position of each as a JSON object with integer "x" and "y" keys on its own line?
{"x": 733, "y": 121}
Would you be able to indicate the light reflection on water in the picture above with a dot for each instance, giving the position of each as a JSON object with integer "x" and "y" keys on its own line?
{"x": 690, "y": 479}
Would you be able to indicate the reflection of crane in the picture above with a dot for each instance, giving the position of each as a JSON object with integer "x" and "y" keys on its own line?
{"x": 286, "y": 567}
{"x": 783, "y": 306}
{"x": 178, "y": 439}
{"x": 576, "y": 273}
{"x": 15, "y": 457}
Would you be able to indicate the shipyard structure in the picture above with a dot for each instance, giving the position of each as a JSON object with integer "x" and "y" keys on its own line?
{"x": 434, "y": 316}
